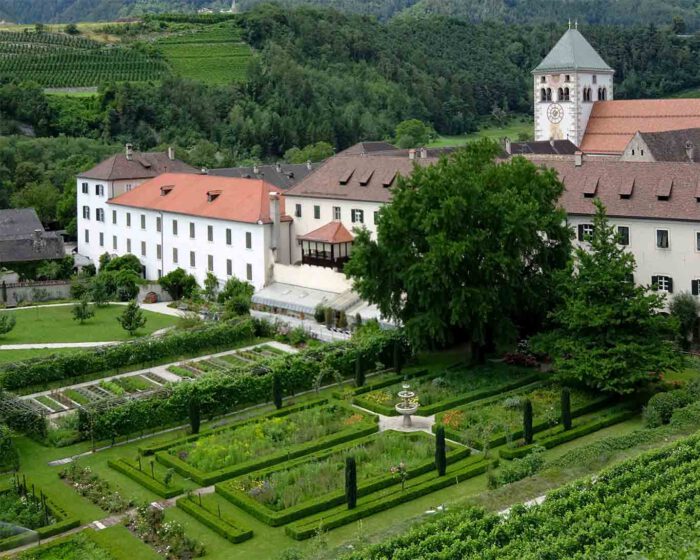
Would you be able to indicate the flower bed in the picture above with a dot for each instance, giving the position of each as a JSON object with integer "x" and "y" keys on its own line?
{"x": 95, "y": 489}
{"x": 448, "y": 388}
{"x": 499, "y": 420}
{"x": 167, "y": 537}
{"x": 253, "y": 444}
{"x": 314, "y": 484}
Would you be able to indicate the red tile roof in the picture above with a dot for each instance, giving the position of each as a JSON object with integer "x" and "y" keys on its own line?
{"x": 613, "y": 123}
{"x": 224, "y": 198}
{"x": 332, "y": 232}
{"x": 666, "y": 191}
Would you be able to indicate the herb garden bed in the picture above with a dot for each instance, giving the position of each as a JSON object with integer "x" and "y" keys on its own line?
{"x": 245, "y": 446}
{"x": 499, "y": 420}
{"x": 312, "y": 484}
{"x": 454, "y": 386}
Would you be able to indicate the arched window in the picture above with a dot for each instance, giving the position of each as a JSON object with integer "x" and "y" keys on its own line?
{"x": 602, "y": 94}
{"x": 549, "y": 94}
{"x": 543, "y": 94}
{"x": 587, "y": 94}
{"x": 560, "y": 94}
{"x": 566, "y": 94}
{"x": 605, "y": 93}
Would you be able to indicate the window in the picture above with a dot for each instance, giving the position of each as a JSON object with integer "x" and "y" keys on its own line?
{"x": 159, "y": 251}
{"x": 114, "y": 216}
{"x": 697, "y": 240}
{"x": 567, "y": 78}
{"x": 248, "y": 240}
{"x": 174, "y": 255}
{"x": 297, "y": 211}
{"x": 375, "y": 217}
{"x": 595, "y": 79}
{"x": 210, "y": 263}
{"x": 159, "y": 224}
{"x": 336, "y": 212}
{"x": 114, "y": 242}
{"x": 102, "y": 239}
{"x": 210, "y": 233}
{"x": 228, "y": 236}
{"x": 623, "y": 235}
{"x": 662, "y": 283}
{"x": 357, "y": 216}
{"x": 143, "y": 248}
{"x": 86, "y": 212}
{"x": 587, "y": 94}
{"x": 191, "y": 230}
{"x": 549, "y": 94}
{"x": 99, "y": 190}
{"x": 85, "y": 188}
{"x": 160, "y": 274}
{"x": 128, "y": 245}
{"x": 567, "y": 94}
{"x": 100, "y": 215}
{"x": 249, "y": 272}
{"x": 317, "y": 212}
{"x": 87, "y": 236}
{"x": 174, "y": 227}
{"x": 543, "y": 79}
{"x": 229, "y": 267}
{"x": 193, "y": 260}
{"x": 585, "y": 231}
{"x": 662, "y": 240}
{"x": 128, "y": 187}
{"x": 128, "y": 219}
{"x": 695, "y": 287}
{"x": 143, "y": 221}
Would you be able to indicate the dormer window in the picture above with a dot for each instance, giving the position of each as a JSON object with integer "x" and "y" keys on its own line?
{"x": 213, "y": 195}
{"x": 166, "y": 190}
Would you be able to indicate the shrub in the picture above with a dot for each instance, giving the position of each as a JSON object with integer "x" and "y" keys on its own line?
{"x": 9, "y": 459}
{"x": 527, "y": 421}
{"x": 684, "y": 307}
{"x": 329, "y": 317}
{"x": 566, "y": 408}
{"x": 225, "y": 526}
{"x": 129, "y": 263}
{"x": 342, "y": 320}
{"x": 320, "y": 313}
{"x": 518, "y": 468}
{"x": 277, "y": 390}
{"x": 132, "y": 319}
{"x": 82, "y": 311}
{"x": 359, "y": 372}
{"x": 440, "y": 451}
{"x": 661, "y": 406}
{"x": 178, "y": 284}
{"x": 195, "y": 413}
{"x": 351, "y": 482}
{"x": 7, "y": 323}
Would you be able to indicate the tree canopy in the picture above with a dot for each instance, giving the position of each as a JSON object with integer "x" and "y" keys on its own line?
{"x": 609, "y": 332}
{"x": 464, "y": 247}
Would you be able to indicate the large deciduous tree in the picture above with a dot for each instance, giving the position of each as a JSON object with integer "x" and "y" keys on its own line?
{"x": 609, "y": 332}
{"x": 466, "y": 248}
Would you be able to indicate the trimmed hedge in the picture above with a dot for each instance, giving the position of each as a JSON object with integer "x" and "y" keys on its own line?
{"x": 322, "y": 503}
{"x": 429, "y": 483}
{"x": 429, "y": 410}
{"x": 570, "y": 435}
{"x": 109, "y": 358}
{"x": 593, "y": 406}
{"x": 155, "y": 486}
{"x": 224, "y": 526}
{"x": 390, "y": 381}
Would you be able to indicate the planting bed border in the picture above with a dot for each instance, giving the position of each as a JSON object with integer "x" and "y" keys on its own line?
{"x": 381, "y": 501}
{"x": 123, "y": 466}
{"x": 332, "y": 499}
{"x": 368, "y": 426}
{"x": 224, "y": 526}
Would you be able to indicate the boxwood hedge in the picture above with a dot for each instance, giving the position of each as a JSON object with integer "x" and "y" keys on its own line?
{"x": 225, "y": 526}
{"x": 155, "y": 486}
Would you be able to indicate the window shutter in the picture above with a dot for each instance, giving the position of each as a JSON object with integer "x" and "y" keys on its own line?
{"x": 580, "y": 232}
{"x": 654, "y": 282}
{"x": 694, "y": 287}
{"x": 670, "y": 285}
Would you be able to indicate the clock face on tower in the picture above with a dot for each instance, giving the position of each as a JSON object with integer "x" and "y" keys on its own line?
{"x": 555, "y": 113}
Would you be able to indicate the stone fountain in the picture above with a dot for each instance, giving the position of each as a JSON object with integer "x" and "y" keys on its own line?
{"x": 408, "y": 406}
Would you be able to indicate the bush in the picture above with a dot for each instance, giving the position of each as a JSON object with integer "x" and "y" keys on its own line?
{"x": 7, "y": 323}
{"x": 144, "y": 479}
{"x": 661, "y": 406}
{"x": 527, "y": 421}
{"x": 518, "y": 468}
{"x": 132, "y": 319}
{"x": 351, "y": 482}
{"x": 320, "y": 314}
{"x": 9, "y": 460}
{"x": 179, "y": 284}
{"x": 440, "y": 451}
{"x": 236, "y": 296}
{"x": 225, "y": 526}
{"x": 566, "y": 408}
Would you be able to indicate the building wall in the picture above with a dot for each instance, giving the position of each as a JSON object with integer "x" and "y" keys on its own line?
{"x": 307, "y": 223}
{"x": 576, "y": 112}
{"x": 637, "y": 150}
{"x": 681, "y": 261}
{"x": 315, "y": 277}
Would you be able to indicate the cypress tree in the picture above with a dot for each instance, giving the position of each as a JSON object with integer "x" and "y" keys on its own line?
{"x": 359, "y": 372}
{"x": 397, "y": 357}
{"x": 440, "y": 451}
{"x": 351, "y": 482}
{"x": 277, "y": 391}
{"x": 195, "y": 413}
{"x": 566, "y": 408}
{"x": 527, "y": 421}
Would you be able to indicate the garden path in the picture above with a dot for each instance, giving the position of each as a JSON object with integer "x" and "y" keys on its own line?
{"x": 420, "y": 423}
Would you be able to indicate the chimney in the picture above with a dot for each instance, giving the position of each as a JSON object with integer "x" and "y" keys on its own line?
{"x": 411, "y": 154}
{"x": 129, "y": 152}
{"x": 578, "y": 158}
{"x": 308, "y": 164}
{"x": 275, "y": 216}
{"x": 690, "y": 151}
{"x": 205, "y": 171}
{"x": 423, "y": 153}
{"x": 508, "y": 145}
{"x": 171, "y": 153}
{"x": 278, "y": 167}
{"x": 256, "y": 169}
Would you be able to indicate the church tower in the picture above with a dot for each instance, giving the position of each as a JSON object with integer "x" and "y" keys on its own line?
{"x": 567, "y": 82}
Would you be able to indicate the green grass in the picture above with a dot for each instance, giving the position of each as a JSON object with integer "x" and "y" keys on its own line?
{"x": 216, "y": 55}
{"x": 688, "y": 94}
{"x": 55, "y": 324}
{"x": 512, "y": 130}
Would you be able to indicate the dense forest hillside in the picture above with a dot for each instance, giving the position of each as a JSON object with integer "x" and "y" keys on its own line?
{"x": 609, "y": 12}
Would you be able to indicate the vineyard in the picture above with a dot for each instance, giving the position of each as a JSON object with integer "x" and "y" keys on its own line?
{"x": 216, "y": 55}
{"x": 55, "y": 60}
{"x": 617, "y": 514}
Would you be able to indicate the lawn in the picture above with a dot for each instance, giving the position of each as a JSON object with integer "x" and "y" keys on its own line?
{"x": 56, "y": 324}
{"x": 513, "y": 130}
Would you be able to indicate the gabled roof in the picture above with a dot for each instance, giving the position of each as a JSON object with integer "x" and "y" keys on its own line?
{"x": 612, "y": 124}
{"x": 18, "y": 222}
{"x": 366, "y": 148}
{"x": 23, "y": 239}
{"x": 332, "y": 232}
{"x": 674, "y": 145}
{"x": 544, "y": 147}
{"x": 283, "y": 176}
{"x": 573, "y": 52}
{"x": 238, "y": 200}
{"x": 141, "y": 165}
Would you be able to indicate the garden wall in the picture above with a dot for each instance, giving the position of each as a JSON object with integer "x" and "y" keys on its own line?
{"x": 12, "y": 294}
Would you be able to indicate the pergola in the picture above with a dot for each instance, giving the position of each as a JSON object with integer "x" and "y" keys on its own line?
{"x": 328, "y": 246}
